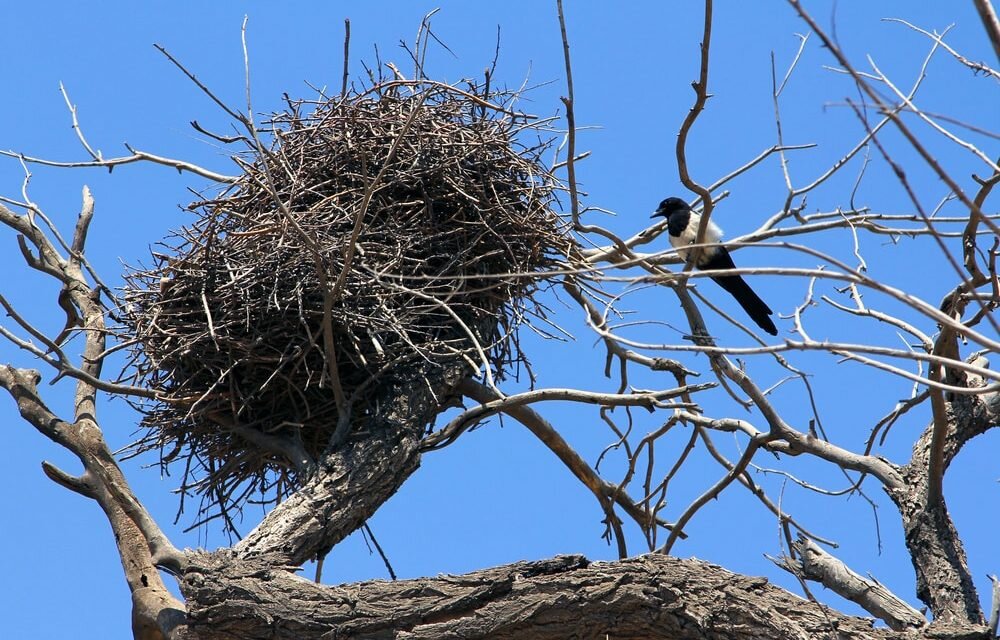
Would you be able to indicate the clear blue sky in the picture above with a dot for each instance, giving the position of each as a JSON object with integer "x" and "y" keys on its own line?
{"x": 496, "y": 496}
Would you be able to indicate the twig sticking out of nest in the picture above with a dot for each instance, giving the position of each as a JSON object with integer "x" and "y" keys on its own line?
{"x": 400, "y": 229}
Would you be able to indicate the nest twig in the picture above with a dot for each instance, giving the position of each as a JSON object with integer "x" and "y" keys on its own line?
{"x": 393, "y": 227}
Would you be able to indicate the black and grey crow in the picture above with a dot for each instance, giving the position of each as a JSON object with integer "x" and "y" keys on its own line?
{"x": 682, "y": 227}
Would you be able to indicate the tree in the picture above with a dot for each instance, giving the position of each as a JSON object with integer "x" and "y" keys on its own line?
{"x": 249, "y": 589}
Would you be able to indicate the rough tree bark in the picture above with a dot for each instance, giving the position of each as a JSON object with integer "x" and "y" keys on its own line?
{"x": 943, "y": 577}
{"x": 354, "y": 480}
{"x": 644, "y": 598}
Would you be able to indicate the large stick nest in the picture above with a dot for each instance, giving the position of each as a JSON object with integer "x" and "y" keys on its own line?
{"x": 393, "y": 230}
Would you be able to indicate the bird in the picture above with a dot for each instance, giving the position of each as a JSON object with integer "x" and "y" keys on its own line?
{"x": 682, "y": 228}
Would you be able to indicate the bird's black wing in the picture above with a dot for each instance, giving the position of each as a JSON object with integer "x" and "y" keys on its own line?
{"x": 758, "y": 311}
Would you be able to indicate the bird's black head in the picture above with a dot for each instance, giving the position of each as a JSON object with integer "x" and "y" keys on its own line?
{"x": 670, "y": 206}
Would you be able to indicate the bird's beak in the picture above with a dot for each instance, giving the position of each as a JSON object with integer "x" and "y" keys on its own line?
{"x": 656, "y": 214}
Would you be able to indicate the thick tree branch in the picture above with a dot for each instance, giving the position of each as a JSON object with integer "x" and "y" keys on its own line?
{"x": 944, "y": 580}
{"x": 652, "y": 597}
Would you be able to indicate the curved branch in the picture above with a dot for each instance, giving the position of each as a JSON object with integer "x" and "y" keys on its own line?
{"x": 447, "y": 434}
{"x": 545, "y": 432}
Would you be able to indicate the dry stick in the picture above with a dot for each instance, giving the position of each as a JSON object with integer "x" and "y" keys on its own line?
{"x": 462, "y": 324}
{"x": 778, "y": 148}
{"x": 700, "y": 87}
{"x": 924, "y": 339}
{"x": 76, "y": 124}
{"x": 848, "y": 350}
{"x": 222, "y": 105}
{"x": 986, "y": 133}
{"x": 661, "y": 490}
{"x": 648, "y": 443}
{"x": 570, "y": 163}
{"x": 939, "y": 39}
{"x": 574, "y": 197}
{"x": 921, "y": 74}
{"x": 702, "y": 424}
{"x": 833, "y": 493}
{"x": 889, "y": 420}
{"x": 967, "y": 597}
{"x": 787, "y": 540}
{"x": 61, "y": 362}
{"x": 793, "y": 193}
{"x": 347, "y": 51}
{"x": 778, "y": 428}
{"x": 882, "y": 470}
{"x": 814, "y": 345}
{"x": 34, "y": 211}
{"x": 595, "y": 319}
{"x": 51, "y": 345}
{"x": 381, "y": 553}
{"x": 269, "y": 186}
{"x": 76, "y": 257}
{"x": 137, "y": 156}
{"x": 776, "y": 90}
{"x": 720, "y": 364}
{"x": 424, "y": 35}
{"x": 990, "y": 22}
{"x": 867, "y": 464}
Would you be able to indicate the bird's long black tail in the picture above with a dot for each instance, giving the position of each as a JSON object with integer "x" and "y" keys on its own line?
{"x": 758, "y": 311}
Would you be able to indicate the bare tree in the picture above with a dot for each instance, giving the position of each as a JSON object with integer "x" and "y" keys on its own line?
{"x": 393, "y": 334}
